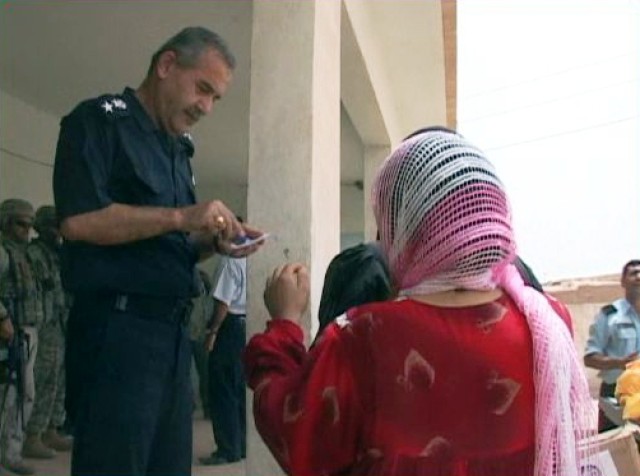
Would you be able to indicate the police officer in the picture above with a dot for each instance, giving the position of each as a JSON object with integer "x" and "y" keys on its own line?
{"x": 614, "y": 336}
{"x": 20, "y": 316}
{"x": 124, "y": 192}
{"x": 48, "y": 409}
{"x": 225, "y": 343}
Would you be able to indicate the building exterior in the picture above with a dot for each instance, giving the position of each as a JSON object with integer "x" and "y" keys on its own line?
{"x": 322, "y": 91}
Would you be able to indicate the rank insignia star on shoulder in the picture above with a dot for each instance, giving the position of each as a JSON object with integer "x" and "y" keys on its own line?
{"x": 113, "y": 107}
{"x": 119, "y": 103}
{"x": 107, "y": 106}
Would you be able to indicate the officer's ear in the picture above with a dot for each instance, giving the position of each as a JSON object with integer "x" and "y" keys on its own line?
{"x": 167, "y": 61}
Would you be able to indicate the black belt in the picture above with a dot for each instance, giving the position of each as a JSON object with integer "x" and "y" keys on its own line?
{"x": 167, "y": 309}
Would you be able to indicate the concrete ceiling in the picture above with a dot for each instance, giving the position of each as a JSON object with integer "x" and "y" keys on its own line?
{"x": 54, "y": 53}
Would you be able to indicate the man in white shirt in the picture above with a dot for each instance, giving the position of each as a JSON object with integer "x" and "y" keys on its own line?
{"x": 225, "y": 342}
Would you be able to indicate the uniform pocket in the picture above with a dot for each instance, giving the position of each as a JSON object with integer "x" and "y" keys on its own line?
{"x": 149, "y": 164}
{"x": 627, "y": 333}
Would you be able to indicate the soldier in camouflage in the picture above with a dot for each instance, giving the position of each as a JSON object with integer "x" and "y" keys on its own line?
{"x": 48, "y": 410}
{"x": 19, "y": 294}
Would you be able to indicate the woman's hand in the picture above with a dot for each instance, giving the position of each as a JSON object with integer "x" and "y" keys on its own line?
{"x": 286, "y": 293}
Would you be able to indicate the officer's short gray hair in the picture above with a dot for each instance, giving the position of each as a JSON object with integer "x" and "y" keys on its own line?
{"x": 189, "y": 44}
{"x": 13, "y": 207}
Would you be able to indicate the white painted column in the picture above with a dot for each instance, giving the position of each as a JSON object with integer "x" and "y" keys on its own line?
{"x": 294, "y": 156}
{"x": 373, "y": 158}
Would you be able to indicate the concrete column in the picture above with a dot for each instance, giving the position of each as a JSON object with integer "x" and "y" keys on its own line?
{"x": 373, "y": 157}
{"x": 294, "y": 156}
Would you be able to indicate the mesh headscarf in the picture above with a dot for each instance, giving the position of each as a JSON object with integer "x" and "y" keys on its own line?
{"x": 444, "y": 224}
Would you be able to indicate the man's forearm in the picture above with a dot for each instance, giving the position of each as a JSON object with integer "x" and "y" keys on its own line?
{"x": 219, "y": 315}
{"x": 118, "y": 224}
{"x": 603, "y": 362}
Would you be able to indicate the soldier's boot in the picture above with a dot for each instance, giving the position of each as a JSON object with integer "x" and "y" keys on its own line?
{"x": 33, "y": 447}
{"x": 55, "y": 440}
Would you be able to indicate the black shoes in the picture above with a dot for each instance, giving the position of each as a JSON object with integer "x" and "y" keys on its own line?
{"x": 216, "y": 459}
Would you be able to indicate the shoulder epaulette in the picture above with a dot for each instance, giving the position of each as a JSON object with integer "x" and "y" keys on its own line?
{"x": 112, "y": 106}
{"x": 186, "y": 140}
{"x": 608, "y": 309}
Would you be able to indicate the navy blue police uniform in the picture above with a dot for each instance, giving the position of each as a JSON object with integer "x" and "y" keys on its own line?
{"x": 129, "y": 393}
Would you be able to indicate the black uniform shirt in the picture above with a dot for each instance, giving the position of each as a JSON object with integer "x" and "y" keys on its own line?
{"x": 110, "y": 151}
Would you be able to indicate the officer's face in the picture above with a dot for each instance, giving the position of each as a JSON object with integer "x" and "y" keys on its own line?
{"x": 631, "y": 278}
{"x": 19, "y": 227}
{"x": 187, "y": 94}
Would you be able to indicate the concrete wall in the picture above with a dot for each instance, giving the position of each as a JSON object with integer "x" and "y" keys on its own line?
{"x": 28, "y": 139}
{"x": 352, "y": 198}
{"x": 583, "y": 315}
{"x": 584, "y": 298}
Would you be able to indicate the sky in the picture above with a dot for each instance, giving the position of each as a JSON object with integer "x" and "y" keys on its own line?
{"x": 549, "y": 89}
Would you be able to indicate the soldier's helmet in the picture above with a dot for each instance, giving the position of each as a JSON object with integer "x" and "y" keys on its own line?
{"x": 46, "y": 216}
{"x": 13, "y": 207}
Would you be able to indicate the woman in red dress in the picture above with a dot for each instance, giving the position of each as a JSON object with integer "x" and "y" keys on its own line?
{"x": 467, "y": 373}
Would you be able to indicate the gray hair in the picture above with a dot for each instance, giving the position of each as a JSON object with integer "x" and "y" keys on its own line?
{"x": 189, "y": 44}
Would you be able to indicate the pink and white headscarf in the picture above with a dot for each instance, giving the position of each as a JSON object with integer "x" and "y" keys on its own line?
{"x": 445, "y": 223}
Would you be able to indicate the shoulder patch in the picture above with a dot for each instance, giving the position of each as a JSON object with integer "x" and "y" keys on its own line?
{"x": 608, "y": 309}
{"x": 112, "y": 106}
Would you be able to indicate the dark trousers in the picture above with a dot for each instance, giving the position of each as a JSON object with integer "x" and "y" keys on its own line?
{"x": 129, "y": 392}
{"x": 604, "y": 424}
{"x": 201, "y": 361}
{"x": 227, "y": 406}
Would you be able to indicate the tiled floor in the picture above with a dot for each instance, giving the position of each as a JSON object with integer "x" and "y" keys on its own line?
{"x": 202, "y": 446}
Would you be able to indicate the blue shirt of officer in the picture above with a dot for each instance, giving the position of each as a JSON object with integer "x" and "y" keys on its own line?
{"x": 614, "y": 333}
{"x": 110, "y": 151}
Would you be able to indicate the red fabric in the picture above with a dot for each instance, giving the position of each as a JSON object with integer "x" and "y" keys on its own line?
{"x": 400, "y": 388}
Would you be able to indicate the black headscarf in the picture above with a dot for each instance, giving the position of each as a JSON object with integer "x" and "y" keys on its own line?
{"x": 357, "y": 275}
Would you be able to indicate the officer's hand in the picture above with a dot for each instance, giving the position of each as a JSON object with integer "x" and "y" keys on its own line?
{"x": 6, "y": 330}
{"x": 210, "y": 217}
{"x": 286, "y": 293}
{"x": 231, "y": 248}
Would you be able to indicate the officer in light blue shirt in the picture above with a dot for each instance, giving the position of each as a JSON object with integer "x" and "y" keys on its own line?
{"x": 225, "y": 342}
{"x": 614, "y": 336}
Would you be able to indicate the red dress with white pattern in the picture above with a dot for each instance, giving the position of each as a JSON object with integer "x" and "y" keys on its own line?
{"x": 400, "y": 388}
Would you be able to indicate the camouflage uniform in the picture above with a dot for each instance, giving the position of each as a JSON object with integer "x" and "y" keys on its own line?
{"x": 48, "y": 410}
{"x": 20, "y": 294}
